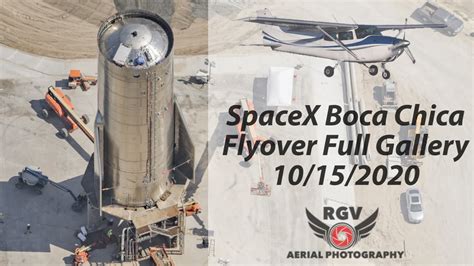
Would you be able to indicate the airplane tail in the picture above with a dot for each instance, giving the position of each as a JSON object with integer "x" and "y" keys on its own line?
{"x": 268, "y": 31}
{"x": 264, "y": 13}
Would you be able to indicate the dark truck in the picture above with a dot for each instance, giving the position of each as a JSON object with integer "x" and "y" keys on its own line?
{"x": 432, "y": 13}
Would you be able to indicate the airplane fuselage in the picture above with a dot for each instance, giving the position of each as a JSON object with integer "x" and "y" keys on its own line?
{"x": 342, "y": 42}
{"x": 370, "y": 49}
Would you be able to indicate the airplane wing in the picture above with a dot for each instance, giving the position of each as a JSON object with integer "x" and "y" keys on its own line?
{"x": 332, "y": 27}
{"x": 324, "y": 27}
{"x": 295, "y": 24}
{"x": 405, "y": 26}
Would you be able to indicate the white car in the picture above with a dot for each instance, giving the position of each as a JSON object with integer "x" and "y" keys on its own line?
{"x": 415, "y": 210}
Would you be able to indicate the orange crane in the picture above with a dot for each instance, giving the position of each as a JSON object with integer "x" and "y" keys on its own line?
{"x": 61, "y": 104}
{"x": 191, "y": 207}
{"x": 262, "y": 188}
{"x": 81, "y": 255}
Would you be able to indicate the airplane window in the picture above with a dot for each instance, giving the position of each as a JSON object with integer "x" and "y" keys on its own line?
{"x": 366, "y": 31}
{"x": 333, "y": 34}
{"x": 346, "y": 36}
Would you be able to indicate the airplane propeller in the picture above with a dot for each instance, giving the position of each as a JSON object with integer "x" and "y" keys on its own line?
{"x": 406, "y": 22}
{"x": 408, "y": 52}
{"x": 406, "y": 49}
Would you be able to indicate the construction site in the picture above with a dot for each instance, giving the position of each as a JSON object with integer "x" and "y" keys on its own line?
{"x": 96, "y": 107}
{"x": 113, "y": 121}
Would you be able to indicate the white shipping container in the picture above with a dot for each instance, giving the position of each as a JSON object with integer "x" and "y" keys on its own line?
{"x": 280, "y": 86}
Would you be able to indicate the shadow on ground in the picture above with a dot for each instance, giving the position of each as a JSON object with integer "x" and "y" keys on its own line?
{"x": 418, "y": 16}
{"x": 260, "y": 95}
{"x": 378, "y": 94}
{"x": 53, "y": 119}
{"x": 52, "y": 220}
{"x": 216, "y": 140}
{"x": 403, "y": 206}
{"x": 192, "y": 81}
{"x": 62, "y": 83}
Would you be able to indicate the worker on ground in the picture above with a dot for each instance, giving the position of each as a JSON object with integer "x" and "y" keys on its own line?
{"x": 28, "y": 229}
{"x": 109, "y": 233}
{"x": 205, "y": 242}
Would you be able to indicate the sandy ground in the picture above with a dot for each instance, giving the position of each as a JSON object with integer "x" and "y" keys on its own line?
{"x": 445, "y": 186}
{"x": 68, "y": 28}
{"x": 249, "y": 229}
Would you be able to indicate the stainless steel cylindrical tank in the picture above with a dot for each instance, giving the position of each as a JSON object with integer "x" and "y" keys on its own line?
{"x": 137, "y": 106}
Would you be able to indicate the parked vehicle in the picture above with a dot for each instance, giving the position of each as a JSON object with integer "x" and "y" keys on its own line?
{"x": 433, "y": 13}
{"x": 414, "y": 207}
{"x": 56, "y": 101}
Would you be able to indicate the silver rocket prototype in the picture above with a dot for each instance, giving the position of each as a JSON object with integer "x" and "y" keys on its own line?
{"x": 144, "y": 157}
{"x": 136, "y": 107}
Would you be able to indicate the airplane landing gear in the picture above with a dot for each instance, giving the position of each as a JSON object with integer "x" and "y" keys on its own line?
{"x": 328, "y": 71}
{"x": 373, "y": 70}
{"x": 386, "y": 74}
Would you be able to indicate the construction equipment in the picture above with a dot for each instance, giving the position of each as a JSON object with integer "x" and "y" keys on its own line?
{"x": 205, "y": 242}
{"x": 389, "y": 95}
{"x": 76, "y": 78}
{"x": 203, "y": 76}
{"x": 160, "y": 257}
{"x": 33, "y": 177}
{"x": 412, "y": 131}
{"x": 61, "y": 104}
{"x": 81, "y": 255}
{"x": 262, "y": 188}
{"x": 191, "y": 207}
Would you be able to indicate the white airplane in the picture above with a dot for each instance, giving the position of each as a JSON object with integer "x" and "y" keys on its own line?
{"x": 363, "y": 44}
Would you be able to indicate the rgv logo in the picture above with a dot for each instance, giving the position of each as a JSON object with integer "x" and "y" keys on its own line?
{"x": 341, "y": 235}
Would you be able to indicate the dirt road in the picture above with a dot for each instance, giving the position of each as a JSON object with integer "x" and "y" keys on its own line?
{"x": 67, "y": 28}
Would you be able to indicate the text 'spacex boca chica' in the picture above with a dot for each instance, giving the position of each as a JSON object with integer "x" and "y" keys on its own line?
{"x": 406, "y": 115}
